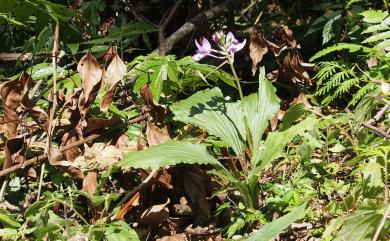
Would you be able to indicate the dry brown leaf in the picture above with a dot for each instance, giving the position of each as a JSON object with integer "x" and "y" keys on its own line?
{"x": 67, "y": 139}
{"x": 284, "y": 36}
{"x": 154, "y": 215}
{"x": 301, "y": 99}
{"x": 90, "y": 183}
{"x": 156, "y": 135}
{"x": 277, "y": 117}
{"x": 155, "y": 110}
{"x": 124, "y": 143}
{"x": 56, "y": 159}
{"x": 10, "y": 93}
{"x": 292, "y": 69}
{"x": 11, "y": 96}
{"x": 257, "y": 49}
{"x": 115, "y": 72}
{"x": 40, "y": 117}
{"x": 94, "y": 124}
{"x": 90, "y": 74}
{"x": 176, "y": 237}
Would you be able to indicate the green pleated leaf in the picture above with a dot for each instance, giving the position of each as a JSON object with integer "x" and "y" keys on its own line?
{"x": 260, "y": 108}
{"x": 168, "y": 153}
{"x": 208, "y": 110}
{"x": 270, "y": 230}
{"x": 275, "y": 143}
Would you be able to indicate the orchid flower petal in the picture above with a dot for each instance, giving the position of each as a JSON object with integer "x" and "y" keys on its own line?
{"x": 206, "y": 45}
{"x": 230, "y": 38}
{"x": 197, "y": 57}
{"x": 239, "y": 46}
{"x": 217, "y": 37}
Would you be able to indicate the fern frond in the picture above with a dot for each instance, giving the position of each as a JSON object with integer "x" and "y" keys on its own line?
{"x": 361, "y": 93}
{"x": 337, "y": 47}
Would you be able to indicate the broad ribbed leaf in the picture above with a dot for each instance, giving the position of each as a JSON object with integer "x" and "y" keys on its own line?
{"x": 208, "y": 110}
{"x": 260, "y": 108}
{"x": 168, "y": 153}
{"x": 270, "y": 230}
{"x": 275, "y": 143}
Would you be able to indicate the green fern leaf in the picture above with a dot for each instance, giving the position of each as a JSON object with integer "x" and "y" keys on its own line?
{"x": 341, "y": 46}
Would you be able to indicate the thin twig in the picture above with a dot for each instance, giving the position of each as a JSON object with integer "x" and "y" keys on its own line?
{"x": 135, "y": 190}
{"x": 3, "y": 188}
{"x": 377, "y": 130}
{"x": 378, "y": 115}
{"x": 190, "y": 25}
{"x": 54, "y": 105}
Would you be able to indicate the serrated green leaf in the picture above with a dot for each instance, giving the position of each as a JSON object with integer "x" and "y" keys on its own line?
{"x": 270, "y": 230}
{"x": 120, "y": 231}
{"x": 378, "y": 37}
{"x": 363, "y": 223}
{"x": 208, "y": 110}
{"x": 374, "y": 16}
{"x": 372, "y": 173}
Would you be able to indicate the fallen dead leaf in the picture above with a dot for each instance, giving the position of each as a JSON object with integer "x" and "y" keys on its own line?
{"x": 155, "y": 110}
{"x": 90, "y": 74}
{"x": 176, "y": 237}
{"x": 56, "y": 159}
{"x": 156, "y": 135}
{"x": 90, "y": 183}
{"x": 257, "y": 49}
{"x": 115, "y": 72}
{"x": 154, "y": 215}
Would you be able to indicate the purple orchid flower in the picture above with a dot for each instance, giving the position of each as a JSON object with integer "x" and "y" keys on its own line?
{"x": 228, "y": 45}
{"x": 233, "y": 44}
{"x": 203, "y": 50}
{"x": 218, "y": 37}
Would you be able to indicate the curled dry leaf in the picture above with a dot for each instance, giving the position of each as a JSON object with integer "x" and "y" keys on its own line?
{"x": 293, "y": 69}
{"x": 94, "y": 124}
{"x": 90, "y": 183}
{"x": 40, "y": 117}
{"x": 257, "y": 49}
{"x": 284, "y": 36}
{"x": 56, "y": 159}
{"x": 11, "y": 96}
{"x": 156, "y": 135}
{"x": 72, "y": 153}
{"x": 115, "y": 72}
{"x": 109, "y": 55}
{"x": 90, "y": 74}
{"x": 155, "y": 110}
{"x": 154, "y": 215}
